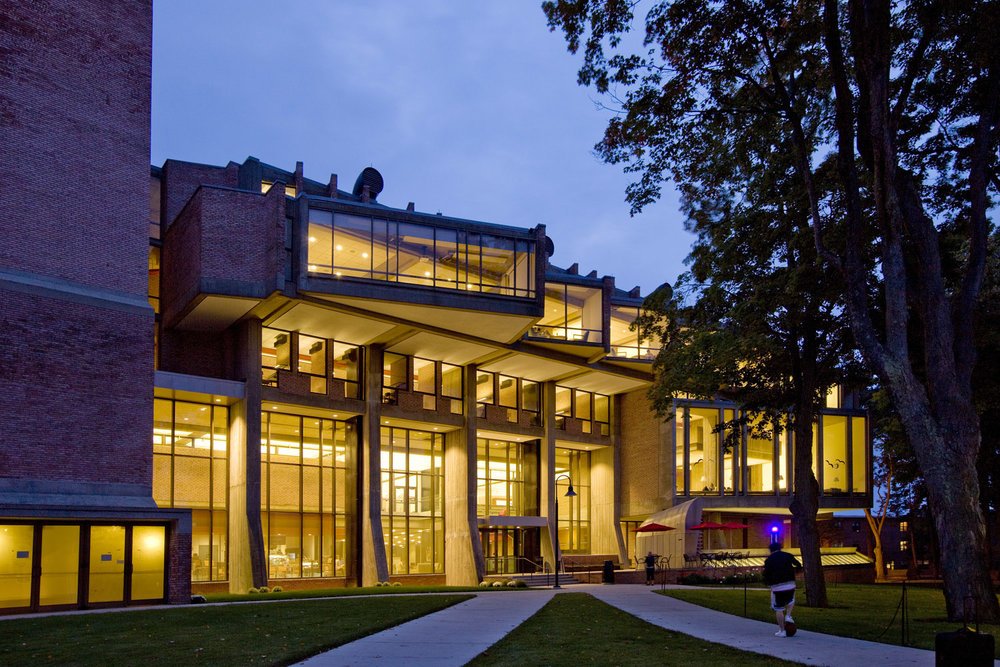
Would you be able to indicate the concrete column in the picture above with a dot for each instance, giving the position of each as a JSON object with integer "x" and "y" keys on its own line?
{"x": 546, "y": 467}
{"x": 247, "y": 561}
{"x": 373, "y": 563}
{"x": 604, "y": 528}
{"x": 464, "y": 563}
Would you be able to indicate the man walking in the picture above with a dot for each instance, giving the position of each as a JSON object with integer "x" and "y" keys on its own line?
{"x": 779, "y": 574}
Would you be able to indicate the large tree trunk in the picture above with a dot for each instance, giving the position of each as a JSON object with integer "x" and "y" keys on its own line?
{"x": 805, "y": 503}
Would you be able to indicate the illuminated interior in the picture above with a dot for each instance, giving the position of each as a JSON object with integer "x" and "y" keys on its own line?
{"x": 572, "y": 313}
{"x": 626, "y": 343}
{"x": 412, "y": 465}
{"x": 352, "y": 246}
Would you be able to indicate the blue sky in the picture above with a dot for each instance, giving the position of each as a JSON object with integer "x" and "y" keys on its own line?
{"x": 468, "y": 108}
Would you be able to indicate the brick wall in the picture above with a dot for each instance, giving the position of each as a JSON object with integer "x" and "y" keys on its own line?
{"x": 231, "y": 241}
{"x": 180, "y": 180}
{"x": 643, "y": 489}
{"x": 74, "y": 107}
{"x": 75, "y": 391}
{"x": 179, "y": 567}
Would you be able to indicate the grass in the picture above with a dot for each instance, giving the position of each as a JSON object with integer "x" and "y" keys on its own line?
{"x": 256, "y": 634}
{"x": 858, "y": 611}
{"x": 576, "y": 629}
{"x": 349, "y": 592}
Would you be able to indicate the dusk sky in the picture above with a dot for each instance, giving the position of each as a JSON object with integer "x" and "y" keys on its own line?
{"x": 467, "y": 108}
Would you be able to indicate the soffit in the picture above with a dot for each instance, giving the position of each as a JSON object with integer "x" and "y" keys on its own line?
{"x": 498, "y": 327}
{"x": 441, "y": 348}
{"x": 216, "y": 313}
{"x": 325, "y": 323}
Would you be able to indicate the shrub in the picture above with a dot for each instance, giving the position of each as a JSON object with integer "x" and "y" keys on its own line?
{"x": 513, "y": 583}
{"x": 396, "y": 583}
{"x": 198, "y": 599}
{"x": 277, "y": 589}
{"x": 498, "y": 584}
{"x": 264, "y": 589}
{"x": 695, "y": 580}
{"x": 484, "y": 584}
{"x": 253, "y": 591}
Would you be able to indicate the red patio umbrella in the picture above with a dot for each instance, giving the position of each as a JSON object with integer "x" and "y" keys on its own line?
{"x": 732, "y": 525}
{"x": 709, "y": 525}
{"x": 653, "y": 528}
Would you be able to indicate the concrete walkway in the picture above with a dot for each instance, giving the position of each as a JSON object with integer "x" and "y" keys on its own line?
{"x": 454, "y": 636}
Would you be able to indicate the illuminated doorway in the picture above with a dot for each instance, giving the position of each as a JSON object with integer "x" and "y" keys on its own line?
{"x": 511, "y": 550}
{"x": 51, "y": 566}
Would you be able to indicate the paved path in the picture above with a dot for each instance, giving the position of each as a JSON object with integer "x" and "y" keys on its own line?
{"x": 453, "y": 636}
{"x": 810, "y": 648}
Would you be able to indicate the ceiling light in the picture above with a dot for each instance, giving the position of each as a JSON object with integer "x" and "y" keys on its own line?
{"x": 312, "y": 267}
{"x": 365, "y": 255}
{"x": 427, "y": 273}
{"x": 312, "y": 239}
{"x": 338, "y": 274}
{"x": 339, "y": 247}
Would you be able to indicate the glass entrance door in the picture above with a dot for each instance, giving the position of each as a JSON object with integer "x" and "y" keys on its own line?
{"x": 510, "y": 550}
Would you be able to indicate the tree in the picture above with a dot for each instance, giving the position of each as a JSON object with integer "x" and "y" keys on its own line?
{"x": 900, "y": 100}
{"x": 765, "y": 328}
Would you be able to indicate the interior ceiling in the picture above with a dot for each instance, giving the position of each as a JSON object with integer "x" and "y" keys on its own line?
{"x": 576, "y": 349}
{"x": 326, "y": 323}
{"x": 215, "y": 313}
{"x": 442, "y": 348}
{"x": 497, "y": 327}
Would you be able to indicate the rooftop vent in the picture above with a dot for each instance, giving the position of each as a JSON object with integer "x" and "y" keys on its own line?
{"x": 369, "y": 176}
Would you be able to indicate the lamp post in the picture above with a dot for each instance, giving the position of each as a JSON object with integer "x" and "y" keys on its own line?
{"x": 569, "y": 494}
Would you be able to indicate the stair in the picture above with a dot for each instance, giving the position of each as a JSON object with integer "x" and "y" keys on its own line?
{"x": 538, "y": 579}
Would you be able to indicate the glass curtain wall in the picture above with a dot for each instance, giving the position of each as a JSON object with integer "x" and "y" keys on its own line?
{"x": 354, "y": 246}
{"x": 412, "y": 464}
{"x": 626, "y": 343}
{"x": 305, "y": 495}
{"x": 505, "y": 478}
{"x": 592, "y": 410}
{"x": 574, "y": 511}
{"x": 310, "y": 360}
{"x": 191, "y": 470}
{"x": 572, "y": 313}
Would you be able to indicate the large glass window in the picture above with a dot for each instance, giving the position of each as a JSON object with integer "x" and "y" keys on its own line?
{"x": 503, "y": 471}
{"x": 346, "y": 245}
{"x": 572, "y": 313}
{"x": 304, "y": 494}
{"x": 592, "y": 411}
{"x": 310, "y": 362}
{"x": 191, "y": 470}
{"x": 574, "y": 511}
{"x": 705, "y": 451}
{"x": 626, "y": 342}
{"x": 761, "y": 464}
{"x": 859, "y": 455}
{"x": 412, "y": 464}
{"x": 834, "y": 464}
{"x": 429, "y": 381}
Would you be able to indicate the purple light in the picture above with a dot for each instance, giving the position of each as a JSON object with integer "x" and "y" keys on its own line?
{"x": 774, "y": 529}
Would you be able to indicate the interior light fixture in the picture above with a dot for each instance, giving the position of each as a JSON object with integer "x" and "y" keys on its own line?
{"x": 312, "y": 239}
{"x": 339, "y": 247}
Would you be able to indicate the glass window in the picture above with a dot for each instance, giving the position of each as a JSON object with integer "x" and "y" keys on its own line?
{"x": 508, "y": 391}
{"x": 424, "y": 376}
{"x": 148, "y": 557}
{"x": 760, "y": 458}
{"x": 680, "y": 469}
{"x": 191, "y": 470}
{"x": 16, "y": 548}
{"x": 529, "y": 396}
{"x": 484, "y": 387}
{"x": 859, "y": 455}
{"x": 394, "y": 371}
{"x": 412, "y": 503}
{"x": 60, "y": 576}
{"x": 304, "y": 497}
{"x": 320, "y": 255}
{"x": 275, "y": 354}
{"x": 451, "y": 381}
{"x": 373, "y": 248}
{"x": 834, "y": 453}
{"x": 107, "y": 564}
{"x": 731, "y": 446}
{"x": 704, "y": 450}
{"x": 574, "y": 511}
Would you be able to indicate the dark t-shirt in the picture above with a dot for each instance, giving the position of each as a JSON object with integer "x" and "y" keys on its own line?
{"x": 780, "y": 567}
{"x": 650, "y": 561}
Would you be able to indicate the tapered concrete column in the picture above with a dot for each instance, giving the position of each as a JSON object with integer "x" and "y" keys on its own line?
{"x": 247, "y": 563}
{"x": 464, "y": 564}
{"x": 604, "y": 530}
{"x": 546, "y": 476}
{"x": 373, "y": 563}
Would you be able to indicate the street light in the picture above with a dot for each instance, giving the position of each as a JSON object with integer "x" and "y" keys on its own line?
{"x": 569, "y": 494}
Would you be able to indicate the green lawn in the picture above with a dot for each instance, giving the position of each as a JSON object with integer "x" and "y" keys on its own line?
{"x": 576, "y": 629}
{"x": 858, "y": 611}
{"x": 252, "y": 634}
{"x": 350, "y": 592}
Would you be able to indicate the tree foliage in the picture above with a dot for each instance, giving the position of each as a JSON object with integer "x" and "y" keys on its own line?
{"x": 888, "y": 113}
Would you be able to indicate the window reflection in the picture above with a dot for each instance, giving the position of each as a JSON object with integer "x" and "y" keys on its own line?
{"x": 574, "y": 511}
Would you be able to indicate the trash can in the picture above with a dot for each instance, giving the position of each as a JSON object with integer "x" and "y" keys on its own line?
{"x": 608, "y": 574}
{"x": 963, "y": 648}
